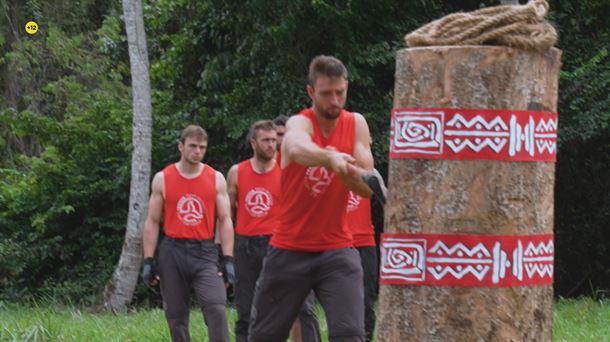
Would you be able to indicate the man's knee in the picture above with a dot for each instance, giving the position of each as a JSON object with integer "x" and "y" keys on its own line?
{"x": 215, "y": 312}
{"x": 176, "y": 313}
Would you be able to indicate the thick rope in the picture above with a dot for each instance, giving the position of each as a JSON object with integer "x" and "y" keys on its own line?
{"x": 518, "y": 26}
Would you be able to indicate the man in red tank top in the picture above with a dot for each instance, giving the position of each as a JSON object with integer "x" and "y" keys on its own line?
{"x": 254, "y": 192}
{"x": 190, "y": 197}
{"x": 280, "y": 126}
{"x": 324, "y": 153}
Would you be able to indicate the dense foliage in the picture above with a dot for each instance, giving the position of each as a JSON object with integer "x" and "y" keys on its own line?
{"x": 65, "y": 115}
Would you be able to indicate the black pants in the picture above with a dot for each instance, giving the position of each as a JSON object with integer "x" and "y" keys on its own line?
{"x": 288, "y": 277}
{"x": 186, "y": 264}
{"x": 368, "y": 259}
{"x": 249, "y": 254}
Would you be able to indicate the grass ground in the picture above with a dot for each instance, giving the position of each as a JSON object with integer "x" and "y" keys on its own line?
{"x": 574, "y": 320}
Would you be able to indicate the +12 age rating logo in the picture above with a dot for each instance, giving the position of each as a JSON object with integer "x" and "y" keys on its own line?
{"x": 31, "y": 27}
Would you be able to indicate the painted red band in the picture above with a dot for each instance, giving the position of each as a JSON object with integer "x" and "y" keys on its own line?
{"x": 473, "y": 134}
{"x": 467, "y": 260}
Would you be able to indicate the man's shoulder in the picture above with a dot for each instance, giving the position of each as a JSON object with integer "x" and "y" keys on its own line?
{"x": 300, "y": 117}
{"x": 349, "y": 114}
{"x": 208, "y": 168}
{"x": 360, "y": 122}
{"x": 167, "y": 167}
{"x": 301, "y": 122}
{"x": 239, "y": 166}
{"x": 242, "y": 163}
{"x": 158, "y": 176}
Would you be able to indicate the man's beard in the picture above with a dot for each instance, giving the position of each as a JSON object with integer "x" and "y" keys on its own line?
{"x": 264, "y": 156}
{"x": 330, "y": 115}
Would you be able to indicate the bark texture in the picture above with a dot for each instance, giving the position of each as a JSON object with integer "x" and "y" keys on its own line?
{"x": 473, "y": 197}
{"x": 120, "y": 288}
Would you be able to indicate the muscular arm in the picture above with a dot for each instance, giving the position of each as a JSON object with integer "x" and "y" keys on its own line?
{"x": 298, "y": 147}
{"x": 223, "y": 215}
{"x": 155, "y": 210}
{"x": 232, "y": 190}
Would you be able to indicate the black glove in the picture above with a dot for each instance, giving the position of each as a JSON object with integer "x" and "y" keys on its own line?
{"x": 375, "y": 182}
{"x": 148, "y": 271}
{"x": 228, "y": 269}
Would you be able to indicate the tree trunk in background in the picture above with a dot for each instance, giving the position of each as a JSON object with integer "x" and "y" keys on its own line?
{"x": 470, "y": 196}
{"x": 119, "y": 291}
{"x": 11, "y": 79}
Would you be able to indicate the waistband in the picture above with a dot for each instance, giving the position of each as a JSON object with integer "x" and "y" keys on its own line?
{"x": 189, "y": 242}
{"x": 253, "y": 237}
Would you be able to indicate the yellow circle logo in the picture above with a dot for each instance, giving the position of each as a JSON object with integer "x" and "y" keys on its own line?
{"x": 31, "y": 27}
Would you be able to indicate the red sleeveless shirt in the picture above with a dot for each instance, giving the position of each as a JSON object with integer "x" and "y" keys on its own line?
{"x": 359, "y": 220}
{"x": 314, "y": 199}
{"x": 278, "y": 158}
{"x": 258, "y": 200}
{"x": 190, "y": 204}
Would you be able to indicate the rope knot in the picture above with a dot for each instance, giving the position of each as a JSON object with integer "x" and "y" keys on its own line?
{"x": 518, "y": 26}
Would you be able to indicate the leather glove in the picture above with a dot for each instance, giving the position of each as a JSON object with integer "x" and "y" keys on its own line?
{"x": 375, "y": 182}
{"x": 227, "y": 268}
{"x": 148, "y": 271}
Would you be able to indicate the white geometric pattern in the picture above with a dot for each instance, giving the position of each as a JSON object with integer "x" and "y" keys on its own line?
{"x": 425, "y": 132}
{"x": 493, "y": 261}
{"x": 418, "y": 132}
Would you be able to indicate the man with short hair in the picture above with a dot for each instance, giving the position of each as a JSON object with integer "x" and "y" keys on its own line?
{"x": 254, "y": 189}
{"x": 254, "y": 192}
{"x": 190, "y": 196}
{"x": 324, "y": 154}
{"x": 280, "y": 125}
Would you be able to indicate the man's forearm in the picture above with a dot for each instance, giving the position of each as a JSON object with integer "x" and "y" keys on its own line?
{"x": 308, "y": 154}
{"x": 150, "y": 236}
{"x": 225, "y": 231}
{"x": 354, "y": 182}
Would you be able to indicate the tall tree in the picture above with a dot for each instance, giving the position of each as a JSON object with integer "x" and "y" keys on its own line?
{"x": 119, "y": 290}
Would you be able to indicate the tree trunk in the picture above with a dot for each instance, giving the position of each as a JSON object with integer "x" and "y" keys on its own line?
{"x": 11, "y": 80}
{"x": 485, "y": 197}
{"x": 119, "y": 290}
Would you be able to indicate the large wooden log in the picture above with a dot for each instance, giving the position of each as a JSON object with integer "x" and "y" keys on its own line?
{"x": 470, "y": 196}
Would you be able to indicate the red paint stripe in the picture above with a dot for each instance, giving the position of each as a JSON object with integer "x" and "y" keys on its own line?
{"x": 473, "y": 134}
{"x": 467, "y": 260}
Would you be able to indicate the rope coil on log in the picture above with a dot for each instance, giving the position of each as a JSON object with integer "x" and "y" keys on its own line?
{"x": 518, "y": 26}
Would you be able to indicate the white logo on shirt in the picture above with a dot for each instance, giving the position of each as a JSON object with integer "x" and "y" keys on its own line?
{"x": 317, "y": 180}
{"x": 190, "y": 209}
{"x": 353, "y": 202}
{"x": 258, "y": 202}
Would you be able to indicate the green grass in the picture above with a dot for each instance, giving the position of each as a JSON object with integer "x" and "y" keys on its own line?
{"x": 46, "y": 322}
{"x": 574, "y": 320}
{"x": 581, "y": 320}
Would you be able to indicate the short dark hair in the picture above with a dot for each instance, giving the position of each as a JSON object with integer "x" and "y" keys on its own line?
{"x": 193, "y": 131}
{"x": 328, "y": 66}
{"x": 280, "y": 120}
{"x": 261, "y": 125}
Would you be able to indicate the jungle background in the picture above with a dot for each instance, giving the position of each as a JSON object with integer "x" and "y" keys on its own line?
{"x": 65, "y": 117}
